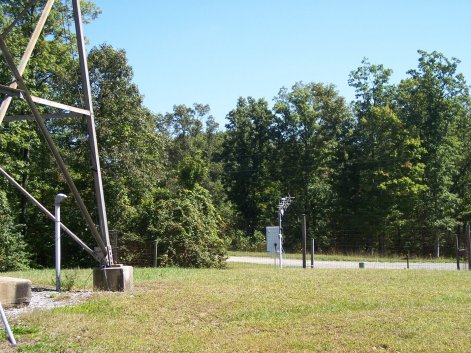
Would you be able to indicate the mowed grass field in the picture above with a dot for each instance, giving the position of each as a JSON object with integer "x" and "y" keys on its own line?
{"x": 248, "y": 308}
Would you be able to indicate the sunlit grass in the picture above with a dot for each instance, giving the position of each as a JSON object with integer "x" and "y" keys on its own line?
{"x": 82, "y": 278}
{"x": 247, "y": 308}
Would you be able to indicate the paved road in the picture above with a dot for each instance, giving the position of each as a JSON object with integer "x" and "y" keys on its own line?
{"x": 449, "y": 266}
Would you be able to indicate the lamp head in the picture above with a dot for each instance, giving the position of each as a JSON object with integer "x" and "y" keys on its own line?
{"x": 59, "y": 198}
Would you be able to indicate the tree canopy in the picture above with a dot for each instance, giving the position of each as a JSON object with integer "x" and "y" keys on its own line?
{"x": 387, "y": 173}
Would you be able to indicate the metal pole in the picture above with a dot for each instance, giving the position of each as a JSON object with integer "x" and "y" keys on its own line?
{"x": 275, "y": 256}
{"x": 155, "y": 252}
{"x": 304, "y": 240}
{"x": 468, "y": 243}
{"x": 91, "y": 131}
{"x": 312, "y": 252}
{"x": 7, "y": 326}
{"x": 57, "y": 237}
{"x": 280, "y": 239}
{"x": 457, "y": 243}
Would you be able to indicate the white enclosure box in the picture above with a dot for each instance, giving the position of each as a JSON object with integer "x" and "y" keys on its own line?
{"x": 273, "y": 240}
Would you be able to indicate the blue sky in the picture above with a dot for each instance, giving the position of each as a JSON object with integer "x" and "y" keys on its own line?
{"x": 214, "y": 51}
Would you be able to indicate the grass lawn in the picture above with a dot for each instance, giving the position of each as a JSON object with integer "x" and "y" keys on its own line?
{"x": 248, "y": 308}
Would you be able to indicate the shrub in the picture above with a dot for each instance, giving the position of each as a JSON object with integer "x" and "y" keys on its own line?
{"x": 188, "y": 228}
{"x": 13, "y": 254}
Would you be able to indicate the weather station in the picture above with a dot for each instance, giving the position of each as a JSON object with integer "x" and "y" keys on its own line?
{"x": 274, "y": 234}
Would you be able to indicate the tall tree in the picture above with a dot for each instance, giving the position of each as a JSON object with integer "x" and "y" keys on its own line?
{"x": 248, "y": 163}
{"x": 312, "y": 121}
{"x": 384, "y": 164}
{"x": 131, "y": 150}
{"x": 432, "y": 101}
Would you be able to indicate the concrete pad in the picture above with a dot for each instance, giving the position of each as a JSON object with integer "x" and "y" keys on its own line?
{"x": 117, "y": 278}
{"x": 14, "y": 291}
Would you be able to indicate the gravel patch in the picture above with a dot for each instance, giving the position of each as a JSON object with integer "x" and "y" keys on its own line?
{"x": 46, "y": 299}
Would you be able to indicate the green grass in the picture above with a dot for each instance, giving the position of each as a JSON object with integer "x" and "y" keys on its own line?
{"x": 247, "y": 308}
{"x": 346, "y": 257}
{"x": 76, "y": 279}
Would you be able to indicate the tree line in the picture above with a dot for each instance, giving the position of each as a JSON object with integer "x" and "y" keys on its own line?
{"x": 388, "y": 172}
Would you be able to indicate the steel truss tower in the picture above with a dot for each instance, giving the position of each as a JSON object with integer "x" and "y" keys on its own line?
{"x": 19, "y": 90}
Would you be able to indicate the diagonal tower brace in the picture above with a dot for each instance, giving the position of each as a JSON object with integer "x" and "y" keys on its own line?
{"x": 103, "y": 238}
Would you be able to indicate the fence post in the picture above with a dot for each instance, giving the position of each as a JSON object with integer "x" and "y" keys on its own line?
{"x": 312, "y": 253}
{"x": 458, "y": 249}
{"x": 276, "y": 254}
{"x": 304, "y": 240}
{"x": 468, "y": 243}
{"x": 156, "y": 243}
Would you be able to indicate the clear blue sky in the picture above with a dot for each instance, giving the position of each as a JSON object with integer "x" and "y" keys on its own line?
{"x": 214, "y": 51}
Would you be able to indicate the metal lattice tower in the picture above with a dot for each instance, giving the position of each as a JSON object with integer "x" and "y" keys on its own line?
{"x": 19, "y": 90}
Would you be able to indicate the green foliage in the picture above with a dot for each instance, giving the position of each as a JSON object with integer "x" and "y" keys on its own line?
{"x": 241, "y": 242}
{"x": 69, "y": 279}
{"x": 433, "y": 104}
{"x": 248, "y": 156}
{"x": 13, "y": 254}
{"x": 389, "y": 180}
{"x": 131, "y": 151}
{"x": 311, "y": 126}
{"x": 188, "y": 228}
{"x": 191, "y": 171}
{"x": 390, "y": 171}
{"x": 51, "y": 73}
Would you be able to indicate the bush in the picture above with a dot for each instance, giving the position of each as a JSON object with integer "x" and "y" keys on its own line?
{"x": 239, "y": 241}
{"x": 13, "y": 254}
{"x": 188, "y": 228}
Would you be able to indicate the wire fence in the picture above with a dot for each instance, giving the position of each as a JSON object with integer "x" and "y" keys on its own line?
{"x": 290, "y": 260}
{"x": 317, "y": 255}
{"x": 357, "y": 251}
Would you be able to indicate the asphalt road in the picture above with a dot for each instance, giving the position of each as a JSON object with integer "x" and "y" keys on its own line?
{"x": 448, "y": 266}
